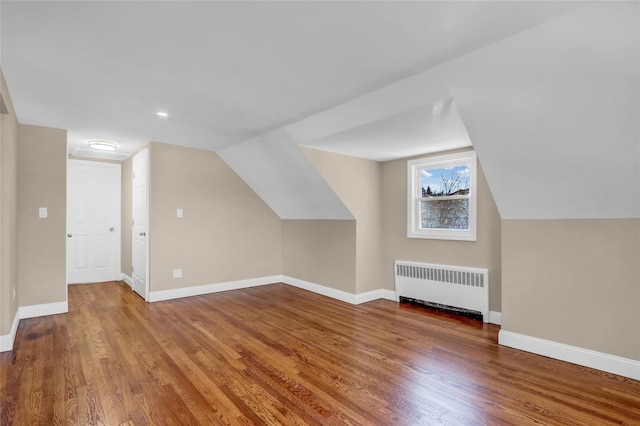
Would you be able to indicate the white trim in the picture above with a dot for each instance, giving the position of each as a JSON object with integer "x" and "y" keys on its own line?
{"x": 495, "y": 317}
{"x": 158, "y": 296}
{"x": 600, "y": 361}
{"x": 389, "y": 295}
{"x": 33, "y": 311}
{"x": 45, "y": 309}
{"x": 127, "y": 279}
{"x": 368, "y": 296}
{"x": 320, "y": 289}
{"x": 147, "y": 221}
{"x": 6, "y": 341}
{"x": 354, "y": 299}
{"x": 414, "y": 196}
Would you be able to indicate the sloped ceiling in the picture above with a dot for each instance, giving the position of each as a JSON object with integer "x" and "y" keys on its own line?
{"x": 547, "y": 91}
{"x": 226, "y": 71}
{"x": 554, "y": 115}
{"x": 402, "y": 135}
{"x": 274, "y": 167}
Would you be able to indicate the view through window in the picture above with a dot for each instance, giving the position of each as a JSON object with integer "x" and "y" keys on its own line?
{"x": 441, "y": 199}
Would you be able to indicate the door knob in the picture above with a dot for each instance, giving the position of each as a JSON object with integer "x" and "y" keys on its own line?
{"x": 142, "y": 234}
{"x": 112, "y": 229}
{"x": 69, "y": 235}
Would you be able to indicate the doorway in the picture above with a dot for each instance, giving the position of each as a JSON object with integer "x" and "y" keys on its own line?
{"x": 93, "y": 221}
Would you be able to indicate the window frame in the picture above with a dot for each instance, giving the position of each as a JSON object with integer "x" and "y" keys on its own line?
{"x": 414, "y": 198}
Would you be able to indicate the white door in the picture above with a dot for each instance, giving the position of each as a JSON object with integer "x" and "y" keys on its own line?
{"x": 140, "y": 227}
{"x": 93, "y": 221}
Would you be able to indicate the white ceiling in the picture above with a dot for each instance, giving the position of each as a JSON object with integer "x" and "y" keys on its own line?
{"x": 402, "y": 135}
{"x": 547, "y": 92}
{"x": 553, "y": 113}
{"x": 230, "y": 71}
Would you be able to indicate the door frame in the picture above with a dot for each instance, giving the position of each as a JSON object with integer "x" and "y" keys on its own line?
{"x": 118, "y": 234}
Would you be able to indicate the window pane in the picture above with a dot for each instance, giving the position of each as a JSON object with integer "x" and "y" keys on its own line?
{"x": 444, "y": 214}
{"x": 445, "y": 181}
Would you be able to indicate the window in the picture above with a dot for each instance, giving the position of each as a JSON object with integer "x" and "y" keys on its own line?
{"x": 441, "y": 201}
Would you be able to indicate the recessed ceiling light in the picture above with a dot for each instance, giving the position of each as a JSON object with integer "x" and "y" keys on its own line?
{"x": 162, "y": 114}
{"x": 102, "y": 145}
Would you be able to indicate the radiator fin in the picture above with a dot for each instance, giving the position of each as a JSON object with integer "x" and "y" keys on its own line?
{"x": 472, "y": 279}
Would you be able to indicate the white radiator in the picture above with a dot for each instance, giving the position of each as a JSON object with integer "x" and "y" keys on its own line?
{"x": 455, "y": 286}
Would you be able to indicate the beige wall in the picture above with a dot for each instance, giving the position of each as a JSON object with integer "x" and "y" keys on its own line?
{"x": 227, "y": 233}
{"x": 42, "y": 182}
{"x": 483, "y": 253}
{"x": 575, "y": 282}
{"x": 8, "y": 211}
{"x": 321, "y": 252}
{"x": 375, "y": 193}
{"x": 358, "y": 184}
{"x": 127, "y": 216}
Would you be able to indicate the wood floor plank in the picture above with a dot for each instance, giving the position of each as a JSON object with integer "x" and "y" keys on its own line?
{"x": 277, "y": 355}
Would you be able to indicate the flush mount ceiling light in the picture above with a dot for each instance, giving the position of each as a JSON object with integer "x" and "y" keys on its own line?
{"x": 162, "y": 114}
{"x": 102, "y": 145}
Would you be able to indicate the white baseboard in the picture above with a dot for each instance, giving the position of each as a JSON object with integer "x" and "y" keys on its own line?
{"x": 600, "y": 361}
{"x": 354, "y": 299}
{"x": 320, "y": 289}
{"x": 127, "y": 279}
{"x": 495, "y": 317}
{"x": 389, "y": 295}
{"x": 368, "y": 296}
{"x": 158, "y": 296}
{"x": 6, "y": 341}
{"x": 33, "y": 311}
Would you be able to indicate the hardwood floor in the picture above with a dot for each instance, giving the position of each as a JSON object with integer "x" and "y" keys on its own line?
{"x": 280, "y": 355}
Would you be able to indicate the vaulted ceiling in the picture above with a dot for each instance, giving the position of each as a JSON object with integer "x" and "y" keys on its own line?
{"x": 226, "y": 71}
{"x": 547, "y": 92}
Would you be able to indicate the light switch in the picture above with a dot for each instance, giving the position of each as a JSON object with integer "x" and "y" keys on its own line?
{"x": 42, "y": 212}
{"x": 179, "y": 213}
{"x": 177, "y": 273}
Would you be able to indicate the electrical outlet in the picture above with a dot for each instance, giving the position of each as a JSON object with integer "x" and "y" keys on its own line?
{"x": 179, "y": 213}
{"x": 177, "y": 273}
